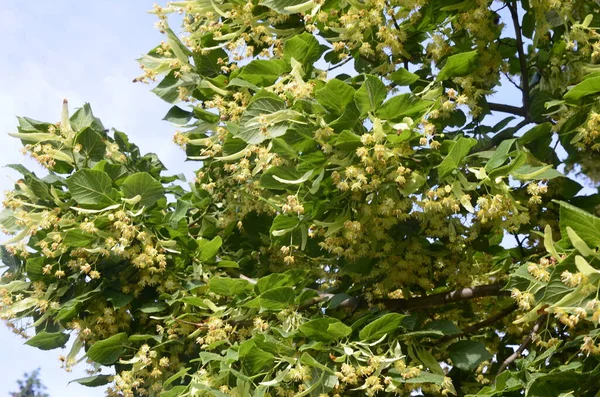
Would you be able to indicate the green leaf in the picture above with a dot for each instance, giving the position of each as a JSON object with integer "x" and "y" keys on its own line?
{"x": 226, "y": 263}
{"x": 304, "y": 48}
{"x": 118, "y": 299}
{"x": 310, "y": 360}
{"x": 176, "y": 391}
{"x": 256, "y": 361}
{"x": 284, "y": 6}
{"x": 15, "y": 286}
{"x": 168, "y": 88}
{"x": 210, "y": 249}
{"x": 90, "y": 187}
{"x": 263, "y": 73}
{"x": 507, "y": 169}
{"x": 108, "y": 351}
{"x": 177, "y": 115}
{"x": 335, "y": 95}
{"x": 428, "y": 360}
{"x": 84, "y": 118}
{"x": 94, "y": 381}
{"x": 182, "y": 372}
{"x": 553, "y": 384}
{"x": 207, "y": 65}
{"x": 236, "y": 82}
{"x": 8, "y": 220}
{"x": 34, "y": 268}
{"x": 325, "y": 329}
{"x": 280, "y": 177}
{"x": 277, "y": 299}
{"x": 586, "y": 87}
{"x": 23, "y": 305}
{"x": 578, "y": 243}
{"x": 77, "y": 238}
{"x": 92, "y": 145}
{"x": 445, "y": 326}
{"x": 265, "y": 118}
{"x": 48, "y": 340}
{"x": 459, "y": 65}
{"x": 153, "y": 307}
{"x": 458, "y": 152}
{"x": 205, "y": 115}
{"x": 144, "y": 185}
{"x": 338, "y": 330}
{"x": 529, "y": 172}
{"x": 586, "y": 225}
{"x": 274, "y": 280}
{"x": 348, "y": 141}
{"x": 403, "y": 105}
{"x": 403, "y": 77}
{"x": 424, "y": 377}
{"x": 386, "y": 324}
{"x": 227, "y": 286}
{"x": 283, "y": 224}
{"x": 10, "y": 260}
{"x": 298, "y": 181}
{"x": 370, "y": 95}
{"x": 500, "y": 155}
{"x": 467, "y": 354}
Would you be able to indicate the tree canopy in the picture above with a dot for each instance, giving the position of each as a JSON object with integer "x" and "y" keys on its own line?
{"x": 30, "y": 386}
{"x": 357, "y": 224}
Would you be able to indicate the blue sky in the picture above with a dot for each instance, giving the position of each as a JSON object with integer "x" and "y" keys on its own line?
{"x": 85, "y": 52}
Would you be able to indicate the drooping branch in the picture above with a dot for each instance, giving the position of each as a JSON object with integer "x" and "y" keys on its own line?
{"x": 512, "y": 6}
{"x": 444, "y": 298}
{"x": 482, "y": 324}
{"x": 522, "y": 347}
{"x": 418, "y": 303}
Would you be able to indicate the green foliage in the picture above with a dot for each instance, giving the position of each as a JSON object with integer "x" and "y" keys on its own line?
{"x": 30, "y": 386}
{"x": 346, "y": 235}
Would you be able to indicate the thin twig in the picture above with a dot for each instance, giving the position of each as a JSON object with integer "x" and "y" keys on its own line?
{"x": 340, "y": 64}
{"x": 482, "y": 324}
{"x": 394, "y": 19}
{"x": 512, "y": 81}
{"x": 522, "y": 347}
{"x": 512, "y": 6}
{"x": 520, "y": 243}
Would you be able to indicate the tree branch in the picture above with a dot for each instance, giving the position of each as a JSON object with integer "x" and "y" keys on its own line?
{"x": 482, "y": 324}
{"x": 422, "y": 302}
{"x": 500, "y": 107}
{"x": 512, "y": 6}
{"x": 342, "y": 63}
{"x": 518, "y": 87}
{"x": 520, "y": 243}
{"x": 522, "y": 347}
{"x": 444, "y": 298}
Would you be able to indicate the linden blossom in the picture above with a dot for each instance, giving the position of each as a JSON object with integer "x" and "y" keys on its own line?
{"x": 357, "y": 225}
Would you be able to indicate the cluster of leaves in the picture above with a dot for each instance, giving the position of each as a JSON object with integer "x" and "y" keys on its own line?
{"x": 343, "y": 234}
